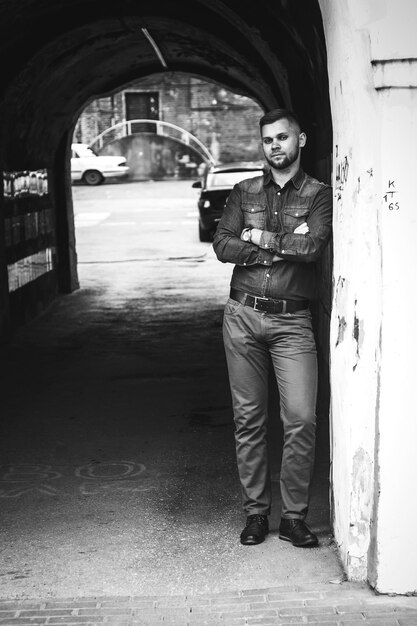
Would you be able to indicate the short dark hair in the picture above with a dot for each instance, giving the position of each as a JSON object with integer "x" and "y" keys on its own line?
{"x": 279, "y": 114}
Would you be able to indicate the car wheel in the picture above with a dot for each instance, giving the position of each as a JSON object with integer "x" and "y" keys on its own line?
{"x": 204, "y": 235}
{"x": 93, "y": 177}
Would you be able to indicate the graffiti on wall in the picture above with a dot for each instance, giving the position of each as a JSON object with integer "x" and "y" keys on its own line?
{"x": 342, "y": 173}
{"x": 390, "y": 196}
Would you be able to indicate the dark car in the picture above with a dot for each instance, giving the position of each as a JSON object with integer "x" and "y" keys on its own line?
{"x": 216, "y": 185}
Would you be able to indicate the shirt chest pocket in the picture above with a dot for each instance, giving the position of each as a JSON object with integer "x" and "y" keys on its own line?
{"x": 293, "y": 217}
{"x": 254, "y": 215}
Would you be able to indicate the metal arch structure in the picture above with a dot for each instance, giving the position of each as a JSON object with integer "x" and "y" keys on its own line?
{"x": 164, "y": 129}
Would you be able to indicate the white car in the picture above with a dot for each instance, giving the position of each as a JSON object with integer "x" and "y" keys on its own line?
{"x": 93, "y": 169}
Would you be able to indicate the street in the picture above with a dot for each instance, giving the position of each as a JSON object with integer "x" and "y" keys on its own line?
{"x": 124, "y": 228}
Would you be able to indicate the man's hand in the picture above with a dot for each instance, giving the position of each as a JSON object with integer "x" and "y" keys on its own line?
{"x": 302, "y": 229}
{"x": 252, "y": 235}
{"x": 255, "y": 236}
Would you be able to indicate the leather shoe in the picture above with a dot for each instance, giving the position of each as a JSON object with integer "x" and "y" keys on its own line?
{"x": 298, "y": 533}
{"x": 255, "y": 530}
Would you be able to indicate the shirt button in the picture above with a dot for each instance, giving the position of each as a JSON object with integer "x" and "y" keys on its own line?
{"x": 276, "y": 212}
{"x": 252, "y": 210}
{"x": 278, "y": 193}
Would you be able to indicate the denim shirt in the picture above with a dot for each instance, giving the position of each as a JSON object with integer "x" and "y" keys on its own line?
{"x": 261, "y": 203}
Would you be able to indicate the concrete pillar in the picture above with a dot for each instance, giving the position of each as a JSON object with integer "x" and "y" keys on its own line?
{"x": 372, "y": 62}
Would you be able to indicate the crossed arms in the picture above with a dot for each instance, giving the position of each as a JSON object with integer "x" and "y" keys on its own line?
{"x": 304, "y": 245}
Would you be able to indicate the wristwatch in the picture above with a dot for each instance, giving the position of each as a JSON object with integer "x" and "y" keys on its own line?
{"x": 247, "y": 235}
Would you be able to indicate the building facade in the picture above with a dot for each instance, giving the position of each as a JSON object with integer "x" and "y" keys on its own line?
{"x": 225, "y": 122}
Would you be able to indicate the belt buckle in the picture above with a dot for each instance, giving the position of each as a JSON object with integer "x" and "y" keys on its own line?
{"x": 257, "y": 299}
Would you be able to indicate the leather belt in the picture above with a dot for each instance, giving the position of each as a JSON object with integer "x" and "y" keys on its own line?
{"x": 268, "y": 305}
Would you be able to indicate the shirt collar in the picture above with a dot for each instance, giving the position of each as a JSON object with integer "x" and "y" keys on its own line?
{"x": 296, "y": 180}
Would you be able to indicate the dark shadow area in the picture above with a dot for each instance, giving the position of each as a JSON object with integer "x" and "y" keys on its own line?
{"x": 118, "y": 470}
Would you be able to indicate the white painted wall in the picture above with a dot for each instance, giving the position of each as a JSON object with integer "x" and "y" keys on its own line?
{"x": 396, "y": 556}
{"x": 374, "y": 425}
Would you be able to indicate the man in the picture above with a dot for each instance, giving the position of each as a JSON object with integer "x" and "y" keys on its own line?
{"x": 273, "y": 229}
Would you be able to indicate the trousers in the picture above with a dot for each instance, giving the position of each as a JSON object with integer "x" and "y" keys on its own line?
{"x": 253, "y": 339}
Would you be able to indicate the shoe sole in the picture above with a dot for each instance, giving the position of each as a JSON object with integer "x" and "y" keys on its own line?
{"x": 309, "y": 544}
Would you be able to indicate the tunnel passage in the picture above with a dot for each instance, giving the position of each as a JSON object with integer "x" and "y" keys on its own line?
{"x": 63, "y": 53}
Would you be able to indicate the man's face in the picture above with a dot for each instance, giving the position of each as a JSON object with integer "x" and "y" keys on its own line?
{"x": 281, "y": 142}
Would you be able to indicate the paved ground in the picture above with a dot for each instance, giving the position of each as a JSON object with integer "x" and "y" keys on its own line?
{"x": 319, "y": 604}
{"x": 118, "y": 489}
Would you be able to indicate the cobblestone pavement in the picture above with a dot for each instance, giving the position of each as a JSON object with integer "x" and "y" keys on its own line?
{"x": 345, "y": 604}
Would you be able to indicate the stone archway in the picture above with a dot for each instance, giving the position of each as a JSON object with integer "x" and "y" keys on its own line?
{"x": 58, "y": 60}
{"x": 63, "y": 53}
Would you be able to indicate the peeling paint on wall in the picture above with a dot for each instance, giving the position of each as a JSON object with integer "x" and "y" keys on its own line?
{"x": 342, "y": 173}
{"x": 358, "y": 336}
{"x": 339, "y": 287}
{"x": 342, "y": 328}
{"x": 364, "y": 187}
{"x": 340, "y": 296}
{"x": 373, "y": 555}
{"x": 360, "y": 514}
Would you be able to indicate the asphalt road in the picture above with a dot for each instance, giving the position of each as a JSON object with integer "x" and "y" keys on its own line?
{"x": 144, "y": 236}
{"x": 118, "y": 472}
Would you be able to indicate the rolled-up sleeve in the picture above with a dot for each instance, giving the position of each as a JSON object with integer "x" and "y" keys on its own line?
{"x": 304, "y": 248}
{"x": 227, "y": 244}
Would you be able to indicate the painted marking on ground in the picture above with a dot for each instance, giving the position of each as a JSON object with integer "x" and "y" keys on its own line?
{"x": 96, "y": 477}
{"x": 119, "y": 224}
{"x": 17, "y": 480}
{"x": 83, "y": 220}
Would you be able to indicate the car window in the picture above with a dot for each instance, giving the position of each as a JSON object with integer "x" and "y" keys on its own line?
{"x": 229, "y": 179}
{"x": 85, "y": 151}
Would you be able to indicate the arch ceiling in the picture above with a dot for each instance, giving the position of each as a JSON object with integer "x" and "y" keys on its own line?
{"x": 59, "y": 54}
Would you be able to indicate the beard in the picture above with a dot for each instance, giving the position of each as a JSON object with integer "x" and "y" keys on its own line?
{"x": 281, "y": 162}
